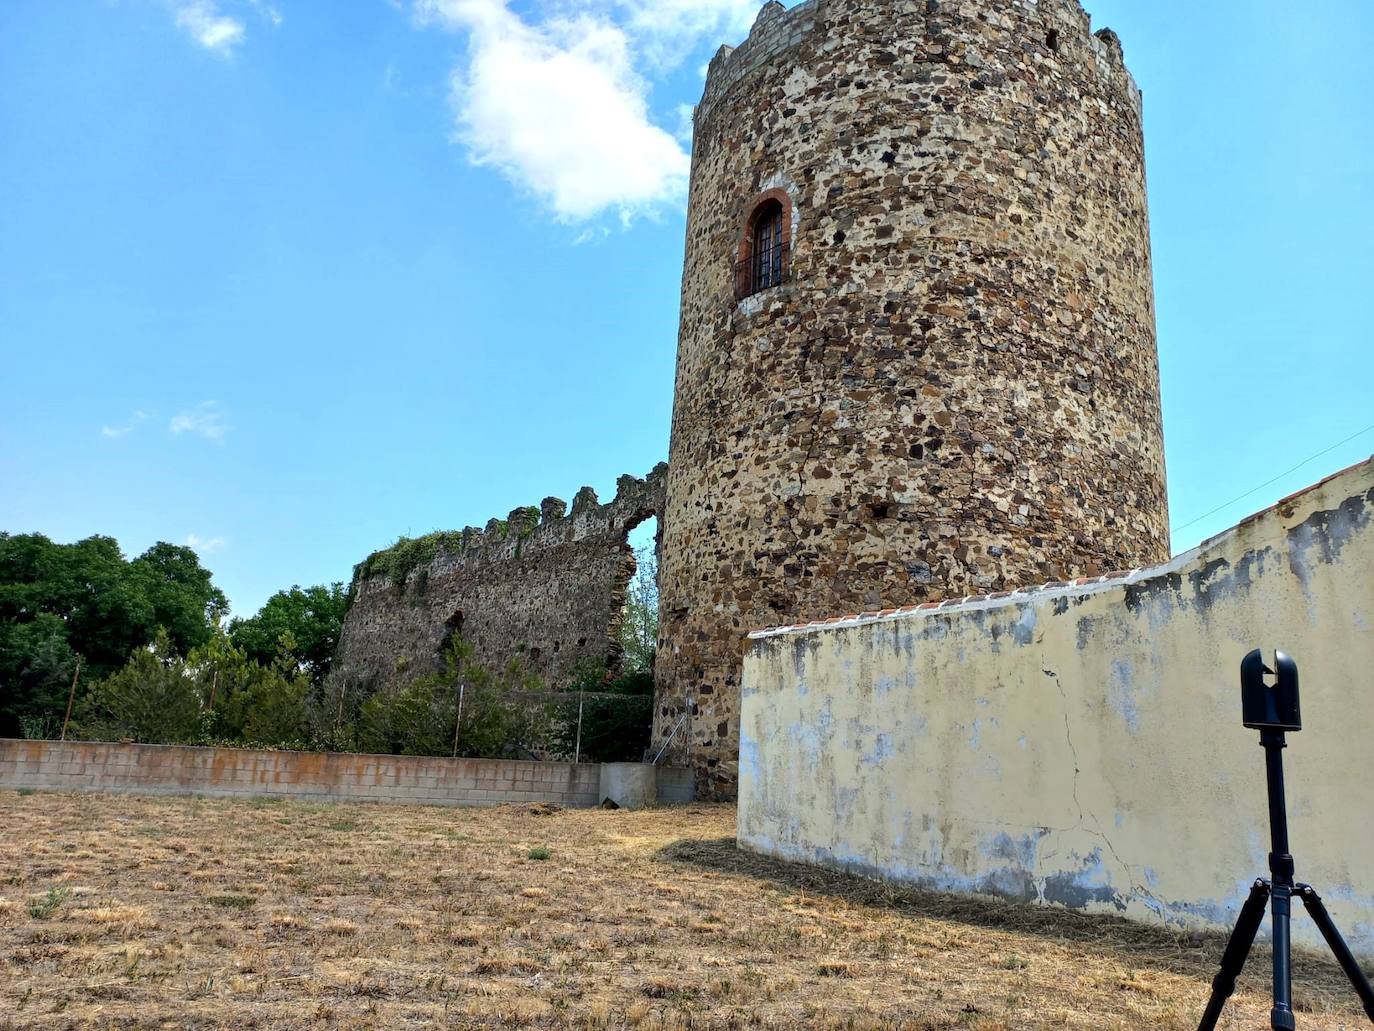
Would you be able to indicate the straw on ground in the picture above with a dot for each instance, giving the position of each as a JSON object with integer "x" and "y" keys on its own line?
{"x": 138, "y": 912}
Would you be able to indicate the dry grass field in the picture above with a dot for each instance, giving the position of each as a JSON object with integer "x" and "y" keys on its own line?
{"x": 180, "y": 913}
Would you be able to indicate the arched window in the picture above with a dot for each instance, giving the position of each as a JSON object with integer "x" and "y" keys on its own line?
{"x": 763, "y": 258}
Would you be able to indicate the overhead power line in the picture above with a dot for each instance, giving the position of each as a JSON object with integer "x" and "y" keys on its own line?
{"x": 1270, "y": 483}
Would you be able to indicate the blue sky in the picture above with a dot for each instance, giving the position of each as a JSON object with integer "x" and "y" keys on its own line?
{"x": 288, "y": 279}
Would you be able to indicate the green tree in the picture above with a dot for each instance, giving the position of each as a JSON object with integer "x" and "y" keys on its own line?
{"x": 616, "y": 717}
{"x": 313, "y": 616}
{"x": 637, "y": 630}
{"x": 179, "y": 593}
{"x": 60, "y": 601}
{"x": 271, "y": 712}
{"x": 154, "y": 699}
{"x": 223, "y": 673}
{"x": 40, "y": 667}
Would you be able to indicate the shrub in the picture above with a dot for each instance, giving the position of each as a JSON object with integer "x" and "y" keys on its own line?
{"x": 414, "y": 719}
{"x": 154, "y": 699}
{"x": 271, "y": 710}
{"x": 333, "y": 713}
{"x": 503, "y": 713}
{"x": 216, "y": 696}
{"x": 617, "y": 718}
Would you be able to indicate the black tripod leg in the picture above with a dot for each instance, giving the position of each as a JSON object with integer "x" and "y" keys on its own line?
{"x": 1281, "y": 1017}
{"x": 1237, "y": 951}
{"x": 1339, "y": 948}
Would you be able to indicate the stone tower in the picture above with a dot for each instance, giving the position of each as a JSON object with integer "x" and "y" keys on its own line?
{"x": 917, "y": 355}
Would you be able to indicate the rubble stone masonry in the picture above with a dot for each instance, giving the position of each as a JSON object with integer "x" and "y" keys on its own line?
{"x": 544, "y": 585}
{"x": 956, "y": 389}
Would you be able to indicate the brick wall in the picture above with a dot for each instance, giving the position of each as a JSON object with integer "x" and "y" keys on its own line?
{"x": 324, "y": 777}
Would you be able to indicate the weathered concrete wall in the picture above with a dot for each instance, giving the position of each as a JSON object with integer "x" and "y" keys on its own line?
{"x": 1082, "y": 744}
{"x": 675, "y": 784}
{"x": 543, "y": 585}
{"x": 956, "y": 388}
{"x": 629, "y": 785}
{"x": 325, "y": 777}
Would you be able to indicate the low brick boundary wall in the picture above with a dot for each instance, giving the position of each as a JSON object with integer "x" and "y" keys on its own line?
{"x": 316, "y": 776}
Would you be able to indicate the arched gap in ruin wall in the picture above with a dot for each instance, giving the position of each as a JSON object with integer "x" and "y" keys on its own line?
{"x": 624, "y": 586}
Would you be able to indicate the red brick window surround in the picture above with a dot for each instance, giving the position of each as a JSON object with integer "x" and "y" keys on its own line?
{"x": 765, "y": 250}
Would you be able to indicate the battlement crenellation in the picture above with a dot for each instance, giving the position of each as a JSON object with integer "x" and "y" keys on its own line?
{"x": 1066, "y": 22}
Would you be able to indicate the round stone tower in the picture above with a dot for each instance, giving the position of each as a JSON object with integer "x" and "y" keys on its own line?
{"x": 917, "y": 355}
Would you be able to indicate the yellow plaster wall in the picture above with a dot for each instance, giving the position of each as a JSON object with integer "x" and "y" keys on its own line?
{"x": 1082, "y": 746}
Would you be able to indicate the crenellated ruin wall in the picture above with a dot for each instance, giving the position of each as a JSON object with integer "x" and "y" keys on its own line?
{"x": 545, "y": 585}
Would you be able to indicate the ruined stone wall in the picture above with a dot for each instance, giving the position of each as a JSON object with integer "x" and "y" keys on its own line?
{"x": 956, "y": 389}
{"x": 1081, "y": 744}
{"x": 544, "y": 585}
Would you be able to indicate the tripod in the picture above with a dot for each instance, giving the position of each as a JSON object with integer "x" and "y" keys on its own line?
{"x": 1273, "y": 712}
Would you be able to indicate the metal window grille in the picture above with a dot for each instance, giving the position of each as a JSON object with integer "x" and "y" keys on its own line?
{"x": 767, "y": 262}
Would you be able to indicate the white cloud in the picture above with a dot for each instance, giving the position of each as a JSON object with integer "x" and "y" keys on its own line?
{"x": 115, "y": 432}
{"x": 669, "y": 30}
{"x": 205, "y": 419}
{"x": 560, "y": 110}
{"x": 267, "y": 11}
{"x": 206, "y": 545}
{"x": 561, "y": 105}
{"x": 207, "y": 27}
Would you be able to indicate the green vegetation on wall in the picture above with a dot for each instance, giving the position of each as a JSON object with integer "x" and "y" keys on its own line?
{"x": 408, "y": 554}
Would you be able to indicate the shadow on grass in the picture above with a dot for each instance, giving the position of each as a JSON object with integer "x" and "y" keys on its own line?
{"x": 1186, "y": 953}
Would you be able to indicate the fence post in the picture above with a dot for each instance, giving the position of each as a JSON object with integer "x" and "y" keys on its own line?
{"x": 71, "y": 698}
{"x": 458, "y": 723}
{"x": 577, "y": 748}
